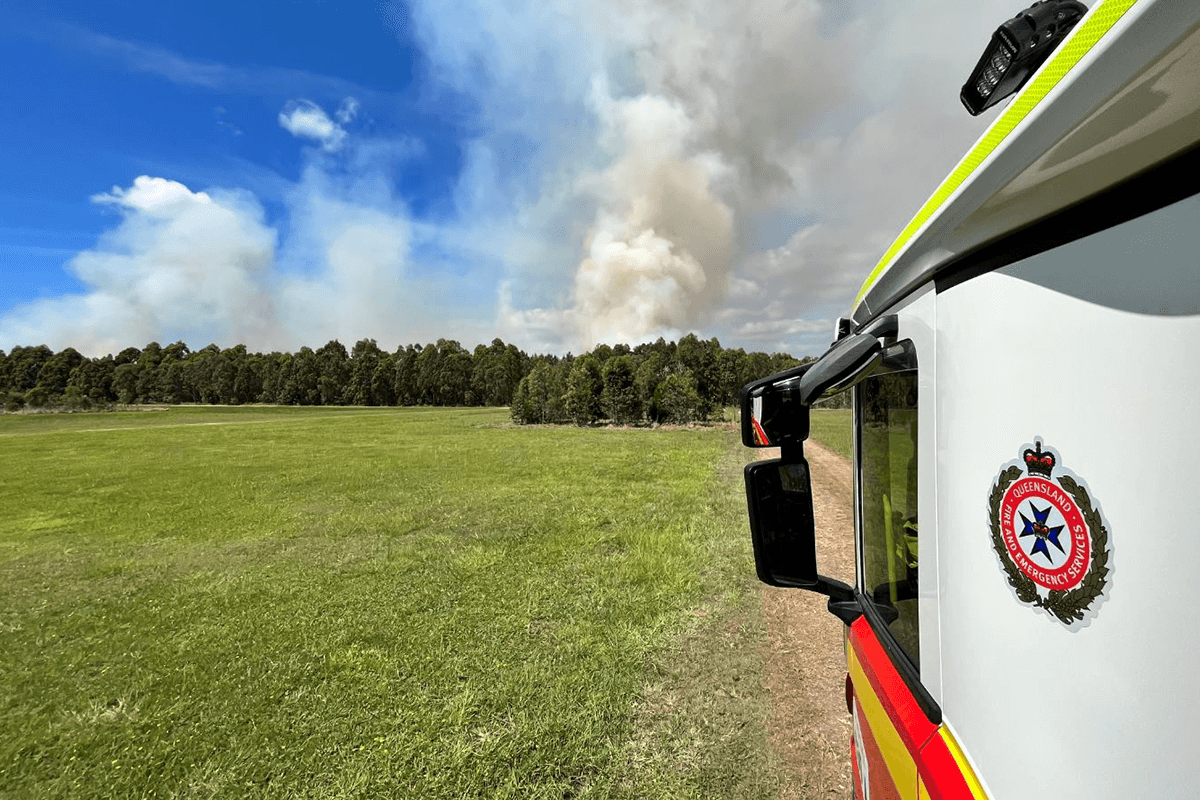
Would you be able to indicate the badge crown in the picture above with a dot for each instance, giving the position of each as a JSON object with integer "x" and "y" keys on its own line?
{"x": 1037, "y": 462}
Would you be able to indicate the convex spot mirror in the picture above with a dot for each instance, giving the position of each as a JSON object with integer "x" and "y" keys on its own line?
{"x": 772, "y": 414}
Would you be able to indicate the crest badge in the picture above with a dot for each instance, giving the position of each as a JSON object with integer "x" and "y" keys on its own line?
{"x": 1052, "y": 541}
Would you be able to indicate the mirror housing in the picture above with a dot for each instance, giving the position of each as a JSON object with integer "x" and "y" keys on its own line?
{"x": 772, "y": 414}
{"x": 779, "y": 497}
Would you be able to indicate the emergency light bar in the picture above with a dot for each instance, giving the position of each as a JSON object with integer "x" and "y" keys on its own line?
{"x": 1017, "y": 49}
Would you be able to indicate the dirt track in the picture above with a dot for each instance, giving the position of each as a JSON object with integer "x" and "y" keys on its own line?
{"x": 805, "y": 662}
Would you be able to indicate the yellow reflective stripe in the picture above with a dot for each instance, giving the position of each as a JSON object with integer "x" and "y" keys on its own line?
{"x": 961, "y": 760}
{"x": 901, "y": 765}
{"x": 1067, "y": 56}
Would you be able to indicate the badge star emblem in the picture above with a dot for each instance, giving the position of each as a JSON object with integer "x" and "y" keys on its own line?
{"x": 1038, "y": 528}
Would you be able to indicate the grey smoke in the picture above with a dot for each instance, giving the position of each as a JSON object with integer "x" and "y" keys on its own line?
{"x": 746, "y": 162}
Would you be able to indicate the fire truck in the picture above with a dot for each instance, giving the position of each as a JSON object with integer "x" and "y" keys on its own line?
{"x": 1025, "y": 377}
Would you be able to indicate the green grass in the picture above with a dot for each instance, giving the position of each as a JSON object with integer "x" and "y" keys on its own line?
{"x": 832, "y": 427}
{"x": 267, "y": 602}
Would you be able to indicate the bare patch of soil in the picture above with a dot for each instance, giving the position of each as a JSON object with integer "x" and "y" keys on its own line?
{"x": 805, "y": 663}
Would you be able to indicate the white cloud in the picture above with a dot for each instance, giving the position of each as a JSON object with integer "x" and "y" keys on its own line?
{"x": 345, "y": 266}
{"x": 179, "y": 264}
{"x": 307, "y": 120}
{"x": 157, "y": 197}
{"x": 347, "y": 269}
{"x": 540, "y": 330}
{"x": 222, "y": 122}
{"x": 348, "y": 110}
{"x": 247, "y": 81}
{"x": 205, "y": 266}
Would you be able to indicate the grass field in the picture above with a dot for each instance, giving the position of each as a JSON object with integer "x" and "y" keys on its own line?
{"x": 278, "y": 602}
{"x": 832, "y": 427}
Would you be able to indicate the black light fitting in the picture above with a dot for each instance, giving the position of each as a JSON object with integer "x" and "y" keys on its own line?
{"x": 1017, "y": 49}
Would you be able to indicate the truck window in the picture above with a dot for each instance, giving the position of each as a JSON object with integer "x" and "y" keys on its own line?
{"x": 887, "y": 441}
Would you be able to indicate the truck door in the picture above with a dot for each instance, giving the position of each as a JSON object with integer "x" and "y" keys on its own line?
{"x": 893, "y": 714}
{"x": 901, "y": 748}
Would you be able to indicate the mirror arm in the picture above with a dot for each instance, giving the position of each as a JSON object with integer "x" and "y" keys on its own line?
{"x": 834, "y": 589}
{"x": 848, "y": 360}
{"x": 842, "y": 602}
{"x": 848, "y": 611}
{"x": 884, "y": 327}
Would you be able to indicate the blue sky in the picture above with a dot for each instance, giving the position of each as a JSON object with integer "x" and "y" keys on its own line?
{"x": 558, "y": 174}
{"x": 99, "y": 93}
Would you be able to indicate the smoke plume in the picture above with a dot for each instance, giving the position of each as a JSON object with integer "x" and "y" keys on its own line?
{"x": 744, "y": 163}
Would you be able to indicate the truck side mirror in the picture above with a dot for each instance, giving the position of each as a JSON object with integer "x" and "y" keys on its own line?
{"x": 779, "y": 497}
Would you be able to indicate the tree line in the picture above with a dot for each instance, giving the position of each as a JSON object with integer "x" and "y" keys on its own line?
{"x": 657, "y": 382}
{"x": 665, "y": 382}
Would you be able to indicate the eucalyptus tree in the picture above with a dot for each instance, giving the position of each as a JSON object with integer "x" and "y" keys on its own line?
{"x": 678, "y": 399}
{"x": 491, "y": 377}
{"x": 274, "y": 368}
{"x": 651, "y": 371}
{"x": 699, "y": 357}
{"x": 618, "y": 398}
{"x": 94, "y": 379}
{"x": 364, "y": 360}
{"x": 128, "y": 355}
{"x": 383, "y": 382}
{"x": 539, "y": 395}
{"x": 333, "y": 368}
{"x": 404, "y": 376}
{"x": 55, "y": 373}
{"x": 125, "y": 382}
{"x": 24, "y": 365}
{"x": 585, "y": 384}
